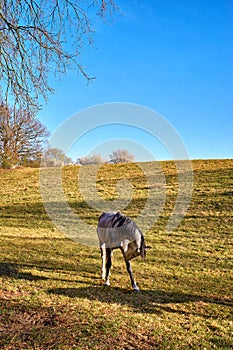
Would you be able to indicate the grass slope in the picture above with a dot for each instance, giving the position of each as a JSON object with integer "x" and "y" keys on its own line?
{"x": 51, "y": 295}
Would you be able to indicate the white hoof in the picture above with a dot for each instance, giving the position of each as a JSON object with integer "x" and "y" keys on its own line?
{"x": 136, "y": 288}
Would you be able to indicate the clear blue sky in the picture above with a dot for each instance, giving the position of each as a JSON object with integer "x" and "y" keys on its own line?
{"x": 175, "y": 57}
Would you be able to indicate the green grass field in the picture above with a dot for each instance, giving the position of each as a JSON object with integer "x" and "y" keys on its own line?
{"x": 51, "y": 294}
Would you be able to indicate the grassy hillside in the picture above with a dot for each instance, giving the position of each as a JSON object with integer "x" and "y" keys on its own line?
{"x": 51, "y": 294}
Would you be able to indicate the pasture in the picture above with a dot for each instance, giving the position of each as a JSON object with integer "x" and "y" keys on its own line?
{"x": 51, "y": 293}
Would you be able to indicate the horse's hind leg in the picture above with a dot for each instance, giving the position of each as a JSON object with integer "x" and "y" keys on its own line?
{"x": 106, "y": 254}
{"x": 103, "y": 256}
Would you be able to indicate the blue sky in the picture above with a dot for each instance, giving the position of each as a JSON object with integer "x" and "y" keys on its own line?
{"x": 175, "y": 57}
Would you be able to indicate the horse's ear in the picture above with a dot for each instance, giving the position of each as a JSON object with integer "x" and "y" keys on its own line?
{"x": 147, "y": 247}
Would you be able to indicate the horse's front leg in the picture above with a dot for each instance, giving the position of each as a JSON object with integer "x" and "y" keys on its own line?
{"x": 130, "y": 272}
{"x": 108, "y": 265}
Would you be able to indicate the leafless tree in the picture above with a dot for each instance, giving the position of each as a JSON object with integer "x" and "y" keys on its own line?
{"x": 55, "y": 157}
{"x": 93, "y": 159}
{"x": 22, "y": 137}
{"x": 38, "y": 38}
{"x": 121, "y": 156}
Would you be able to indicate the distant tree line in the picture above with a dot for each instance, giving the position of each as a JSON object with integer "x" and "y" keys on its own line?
{"x": 117, "y": 156}
{"x": 24, "y": 142}
{"x": 53, "y": 157}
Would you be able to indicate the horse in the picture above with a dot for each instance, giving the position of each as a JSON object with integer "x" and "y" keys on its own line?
{"x": 117, "y": 231}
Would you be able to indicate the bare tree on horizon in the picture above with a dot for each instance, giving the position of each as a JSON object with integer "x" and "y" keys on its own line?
{"x": 22, "y": 137}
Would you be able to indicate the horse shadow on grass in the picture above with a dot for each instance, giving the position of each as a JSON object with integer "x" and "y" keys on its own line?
{"x": 145, "y": 301}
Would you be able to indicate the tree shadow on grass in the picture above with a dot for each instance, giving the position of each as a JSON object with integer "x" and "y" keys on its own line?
{"x": 147, "y": 301}
{"x": 13, "y": 271}
{"x": 35, "y": 215}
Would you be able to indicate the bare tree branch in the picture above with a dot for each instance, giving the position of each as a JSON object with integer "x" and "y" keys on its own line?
{"x": 34, "y": 43}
